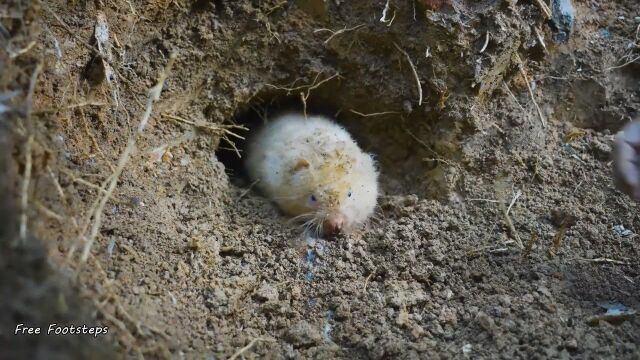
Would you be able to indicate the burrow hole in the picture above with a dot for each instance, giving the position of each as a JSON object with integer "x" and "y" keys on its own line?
{"x": 397, "y": 141}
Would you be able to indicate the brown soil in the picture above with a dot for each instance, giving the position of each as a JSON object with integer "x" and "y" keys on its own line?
{"x": 188, "y": 261}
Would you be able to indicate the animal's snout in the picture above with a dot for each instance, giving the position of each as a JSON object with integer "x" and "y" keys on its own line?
{"x": 334, "y": 224}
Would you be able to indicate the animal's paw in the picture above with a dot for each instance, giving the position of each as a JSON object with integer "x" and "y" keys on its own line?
{"x": 626, "y": 160}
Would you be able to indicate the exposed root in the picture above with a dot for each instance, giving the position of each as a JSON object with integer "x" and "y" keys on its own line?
{"x": 338, "y": 32}
{"x": 244, "y": 193}
{"x": 366, "y": 281}
{"x": 26, "y": 179}
{"x": 375, "y": 114}
{"x": 559, "y": 236}
{"x": 606, "y": 260}
{"x": 14, "y": 54}
{"x": 506, "y": 87}
{"x": 249, "y": 346}
{"x": 154, "y": 95}
{"x": 24, "y": 198}
{"x": 304, "y": 96}
{"x": 486, "y": 43}
{"x": 508, "y": 221}
{"x": 48, "y": 212}
{"x": 530, "y": 243}
{"x": 385, "y": 12}
{"x": 516, "y": 196}
{"x": 94, "y": 141}
{"x": 623, "y": 65}
{"x": 415, "y": 72}
{"x": 533, "y": 98}
{"x": 217, "y": 129}
{"x": 545, "y": 9}
{"x": 289, "y": 89}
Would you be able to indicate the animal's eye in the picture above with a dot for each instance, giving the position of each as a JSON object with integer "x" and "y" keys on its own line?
{"x": 313, "y": 198}
{"x": 349, "y": 193}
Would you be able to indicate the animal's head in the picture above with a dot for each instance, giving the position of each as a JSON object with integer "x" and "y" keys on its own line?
{"x": 338, "y": 194}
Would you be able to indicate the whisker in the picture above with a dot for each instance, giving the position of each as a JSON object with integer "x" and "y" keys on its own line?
{"x": 301, "y": 217}
{"x": 284, "y": 197}
{"x": 308, "y": 223}
{"x": 320, "y": 221}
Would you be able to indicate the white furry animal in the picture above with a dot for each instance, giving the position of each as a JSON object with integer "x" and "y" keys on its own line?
{"x": 314, "y": 171}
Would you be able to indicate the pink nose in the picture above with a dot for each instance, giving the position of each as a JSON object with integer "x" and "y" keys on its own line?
{"x": 334, "y": 224}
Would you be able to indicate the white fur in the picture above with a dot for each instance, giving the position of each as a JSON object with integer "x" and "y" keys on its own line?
{"x": 333, "y": 166}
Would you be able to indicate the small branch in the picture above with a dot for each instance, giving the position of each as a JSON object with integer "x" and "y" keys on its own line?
{"x": 415, "y": 73}
{"x": 505, "y": 213}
